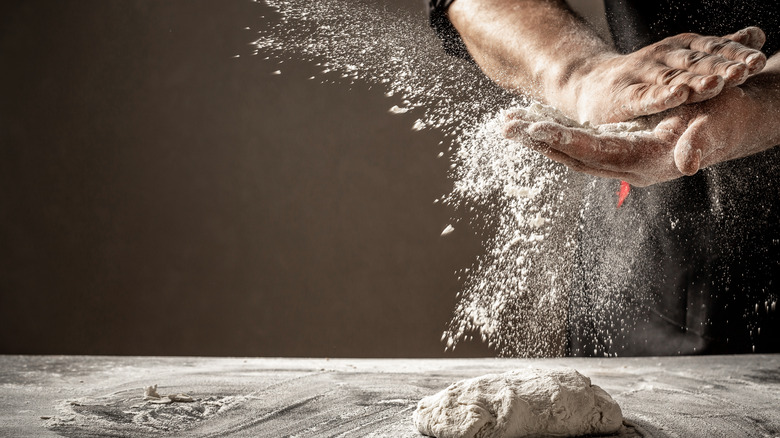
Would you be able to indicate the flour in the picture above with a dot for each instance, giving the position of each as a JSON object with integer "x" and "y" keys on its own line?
{"x": 539, "y": 112}
{"x": 523, "y": 206}
{"x": 519, "y": 403}
{"x": 514, "y": 297}
{"x": 127, "y": 413}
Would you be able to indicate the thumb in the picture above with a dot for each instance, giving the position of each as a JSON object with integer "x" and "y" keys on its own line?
{"x": 688, "y": 150}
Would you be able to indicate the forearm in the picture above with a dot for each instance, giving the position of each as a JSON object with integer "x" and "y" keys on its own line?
{"x": 535, "y": 47}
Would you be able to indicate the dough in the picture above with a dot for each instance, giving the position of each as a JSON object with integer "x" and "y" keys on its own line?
{"x": 519, "y": 403}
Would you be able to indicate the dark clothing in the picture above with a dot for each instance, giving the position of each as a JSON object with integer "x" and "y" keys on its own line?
{"x": 700, "y": 255}
{"x": 692, "y": 265}
{"x": 635, "y": 23}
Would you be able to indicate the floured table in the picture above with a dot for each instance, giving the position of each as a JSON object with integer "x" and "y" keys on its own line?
{"x": 705, "y": 396}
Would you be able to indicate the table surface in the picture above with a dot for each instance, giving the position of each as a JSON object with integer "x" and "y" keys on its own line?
{"x": 86, "y": 396}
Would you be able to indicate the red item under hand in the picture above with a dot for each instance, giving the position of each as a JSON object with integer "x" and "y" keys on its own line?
{"x": 623, "y": 192}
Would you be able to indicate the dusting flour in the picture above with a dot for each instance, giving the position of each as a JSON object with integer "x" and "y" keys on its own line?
{"x": 519, "y": 403}
{"x": 526, "y": 208}
{"x": 516, "y": 297}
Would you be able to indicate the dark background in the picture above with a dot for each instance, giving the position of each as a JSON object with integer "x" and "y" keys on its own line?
{"x": 160, "y": 197}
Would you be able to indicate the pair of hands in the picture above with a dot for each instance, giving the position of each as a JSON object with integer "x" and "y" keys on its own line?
{"x": 698, "y": 80}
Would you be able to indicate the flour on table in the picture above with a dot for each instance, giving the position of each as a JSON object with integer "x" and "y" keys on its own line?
{"x": 519, "y": 403}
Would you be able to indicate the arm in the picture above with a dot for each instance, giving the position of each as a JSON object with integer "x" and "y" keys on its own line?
{"x": 539, "y": 48}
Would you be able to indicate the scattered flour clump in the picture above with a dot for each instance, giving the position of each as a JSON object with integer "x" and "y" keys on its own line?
{"x": 519, "y": 403}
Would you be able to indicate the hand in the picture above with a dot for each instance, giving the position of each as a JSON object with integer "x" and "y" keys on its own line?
{"x": 640, "y": 158}
{"x": 739, "y": 122}
{"x": 685, "y": 68}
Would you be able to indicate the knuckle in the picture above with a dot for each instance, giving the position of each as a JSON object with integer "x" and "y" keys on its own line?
{"x": 660, "y": 48}
{"x": 667, "y": 75}
{"x": 694, "y": 58}
{"x": 716, "y": 46}
{"x": 685, "y": 37}
{"x": 639, "y": 92}
{"x": 620, "y": 84}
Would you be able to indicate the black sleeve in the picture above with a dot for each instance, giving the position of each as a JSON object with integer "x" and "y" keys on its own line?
{"x": 451, "y": 41}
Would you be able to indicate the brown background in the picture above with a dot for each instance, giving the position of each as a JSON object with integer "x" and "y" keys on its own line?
{"x": 158, "y": 196}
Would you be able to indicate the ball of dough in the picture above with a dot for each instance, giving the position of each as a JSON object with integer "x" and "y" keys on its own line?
{"x": 519, "y": 403}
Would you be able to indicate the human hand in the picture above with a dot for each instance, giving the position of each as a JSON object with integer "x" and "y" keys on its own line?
{"x": 681, "y": 69}
{"x": 739, "y": 122}
{"x": 641, "y": 158}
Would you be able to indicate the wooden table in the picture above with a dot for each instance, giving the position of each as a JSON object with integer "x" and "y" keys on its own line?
{"x": 77, "y": 396}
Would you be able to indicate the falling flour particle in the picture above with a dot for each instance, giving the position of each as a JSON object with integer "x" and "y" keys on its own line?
{"x": 277, "y": 72}
{"x": 447, "y": 230}
{"x": 519, "y": 403}
{"x": 395, "y": 109}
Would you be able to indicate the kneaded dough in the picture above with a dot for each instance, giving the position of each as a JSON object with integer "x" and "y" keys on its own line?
{"x": 519, "y": 403}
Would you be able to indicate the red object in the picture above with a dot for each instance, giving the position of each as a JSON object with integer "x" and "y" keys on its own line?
{"x": 623, "y": 192}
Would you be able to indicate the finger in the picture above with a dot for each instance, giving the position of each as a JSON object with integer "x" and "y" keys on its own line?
{"x": 608, "y": 156}
{"x": 514, "y": 114}
{"x": 516, "y": 129}
{"x": 700, "y": 87}
{"x": 751, "y": 37}
{"x": 644, "y": 99}
{"x": 608, "y": 153}
{"x": 754, "y": 59}
{"x": 733, "y": 72}
{"x": 579, "y": 166}
{"x": 647, "y": 98}
{"x": 574, "y": 164}
{"x": 688, "y": 150}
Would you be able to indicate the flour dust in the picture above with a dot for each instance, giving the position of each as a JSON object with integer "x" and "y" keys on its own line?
{"x": 128, "y": 413}
{"x": 515, "y": 296}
